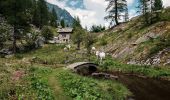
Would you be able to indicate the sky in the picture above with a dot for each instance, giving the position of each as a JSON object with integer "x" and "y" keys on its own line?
{"x": 92, "y": 12}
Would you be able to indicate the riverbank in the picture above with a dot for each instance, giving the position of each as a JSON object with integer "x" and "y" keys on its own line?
{"x": 111, "y": 66}
{"x": 39, "y": 74}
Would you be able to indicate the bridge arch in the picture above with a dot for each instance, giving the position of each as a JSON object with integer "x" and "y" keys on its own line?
{"x": 83, "y": 68}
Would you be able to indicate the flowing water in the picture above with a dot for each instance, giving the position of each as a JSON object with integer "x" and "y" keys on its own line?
{"x": 142, "y": 88}
{"x": 146, "y": 88}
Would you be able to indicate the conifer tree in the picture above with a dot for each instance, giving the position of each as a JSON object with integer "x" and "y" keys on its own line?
{"x": 114, "y": 9}
{"x": 53, "y": 18}
{"x": 144, "y": 9}
{"x": 62, "y": 23}
{"x": 78, "y": 33}
{"x": 158, "y": 5}
{"x": 18, "y": 14}
{"x": 43, "y": 13}
{"x": 126, "y": 17}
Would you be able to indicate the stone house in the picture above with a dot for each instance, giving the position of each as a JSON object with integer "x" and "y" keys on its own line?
{"x": 64, "y": 35}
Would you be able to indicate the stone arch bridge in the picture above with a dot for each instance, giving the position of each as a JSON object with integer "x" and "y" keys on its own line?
{"x": 83, "y": 68}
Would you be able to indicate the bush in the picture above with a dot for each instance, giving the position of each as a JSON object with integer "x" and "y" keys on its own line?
{"x": 103, "y": 41}
{"x": 47, "y": 33}
{"x": 164, "y": 43}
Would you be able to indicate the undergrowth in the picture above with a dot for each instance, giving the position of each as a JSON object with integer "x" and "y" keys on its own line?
{"x": 84, "y": 88}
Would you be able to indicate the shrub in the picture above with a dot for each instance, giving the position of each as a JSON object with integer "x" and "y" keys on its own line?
{"x": 47, "y": 33}
{"x": 103, "y": 41}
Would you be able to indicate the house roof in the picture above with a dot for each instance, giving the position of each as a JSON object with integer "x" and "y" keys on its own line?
{"x": 65, "y": 30}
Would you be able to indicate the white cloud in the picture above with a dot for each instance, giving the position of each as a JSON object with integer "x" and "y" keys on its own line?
{"x": 93, "y": 14}
{"x": 95, "y": 11}
{"x": 130, "y": 2}
{"x": 73, "y": 3}
{"x": 166, "y": 3}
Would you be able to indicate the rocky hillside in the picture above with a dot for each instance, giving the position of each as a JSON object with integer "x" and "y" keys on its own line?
{"x": 62, "y": 13}
{"x": 134, "y": 43}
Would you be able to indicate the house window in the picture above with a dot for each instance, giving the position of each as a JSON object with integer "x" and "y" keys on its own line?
{"x": 64, "y": 35}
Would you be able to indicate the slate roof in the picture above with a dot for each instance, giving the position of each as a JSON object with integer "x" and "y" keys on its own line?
{"x": 65, "y": 30}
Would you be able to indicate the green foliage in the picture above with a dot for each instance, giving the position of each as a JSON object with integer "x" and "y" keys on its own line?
{"x": 78, "y": 33}
{"x": 53, "y": 18}
{"x": 4, "y": 33}
{"x": 158, "y": 5}
{"x": 83, "y": 88}
{"x": 97, "y": 29}
{"x": 43, "y": 56}
{"x": 162, "y": 44}
{"x": 103, "y": 41}
{"x": 165, "y": 15}
{"x": 78, "y": 36}
{"x": 43, "y": 13}
{"x": 40, "y": 85}
{"x": 63, "y": 23}
{"x": 18, "y": 14}
{"x": 129, "y": 35}
{"x": 10, "y": 88}
{"x": 30, "y": 39}
{"x": 90, "y": 39}
{"x": 136, "y": 69}
{"x": 115, "y": 9}
{"x": 76, "y": 22}
{"x": 47, "y": 33}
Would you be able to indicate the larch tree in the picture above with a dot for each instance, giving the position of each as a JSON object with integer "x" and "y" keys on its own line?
{"x": 115, "y": 9}
{"x": 78, "y": 33}
{"x": 42, "y": 12}
{"x": 62, "y": 23}
{"x": 53, "y": 18}
{"x": 126, "y": 17}
{"x": 18, "y": 14}
{"x": 144, "y": 8}
{"x": 158, "y": 5}
{"x": 147, "y": 8}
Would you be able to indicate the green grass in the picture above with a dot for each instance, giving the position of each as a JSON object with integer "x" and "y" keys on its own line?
{"x": 49, "y": 54}
{"x": 150, "y": 71}
{"x": 84, "y": 88}
{"x": 10, "y": 89}
{"x": 70, "y": 86}
{"x": 53, "y": 83}
{"x": 39, "y": 83}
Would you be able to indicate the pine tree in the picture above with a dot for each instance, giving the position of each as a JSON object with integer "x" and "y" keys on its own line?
{"x": 76, "y": 22}
{"x": 158, "y": 5}
{"x": 148, "y": 8}
{"x": 79, "y": 33}
{"x": 126, "y": 17}
{"x": 114, "y": 9}
{"x": 18, "y": 14}
{"x": 145, "y": 9}
{"x": 62, "y": 23}
{"x": 43, "y": 13}
{"x": 53, "y": 18}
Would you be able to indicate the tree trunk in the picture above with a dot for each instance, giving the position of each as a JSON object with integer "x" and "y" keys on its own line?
{"x": 78, "y": 46}
{"x": 116, "y": 13}
{"x": 14, "y": 40}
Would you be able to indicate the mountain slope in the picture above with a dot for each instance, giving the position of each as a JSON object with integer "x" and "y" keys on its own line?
{"x": 134, "y": 43}
{"x": 62, "y": 14}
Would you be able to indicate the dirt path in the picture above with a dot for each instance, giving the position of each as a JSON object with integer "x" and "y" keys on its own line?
{"x": 58, "y": 91}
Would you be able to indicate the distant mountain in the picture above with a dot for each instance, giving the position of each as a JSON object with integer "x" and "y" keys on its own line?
{"x": 62, "y": 14}
{"x": 74, "y": 3}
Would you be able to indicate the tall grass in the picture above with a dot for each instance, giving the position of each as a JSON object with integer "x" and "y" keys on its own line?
{"x": 84, "y": 88}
